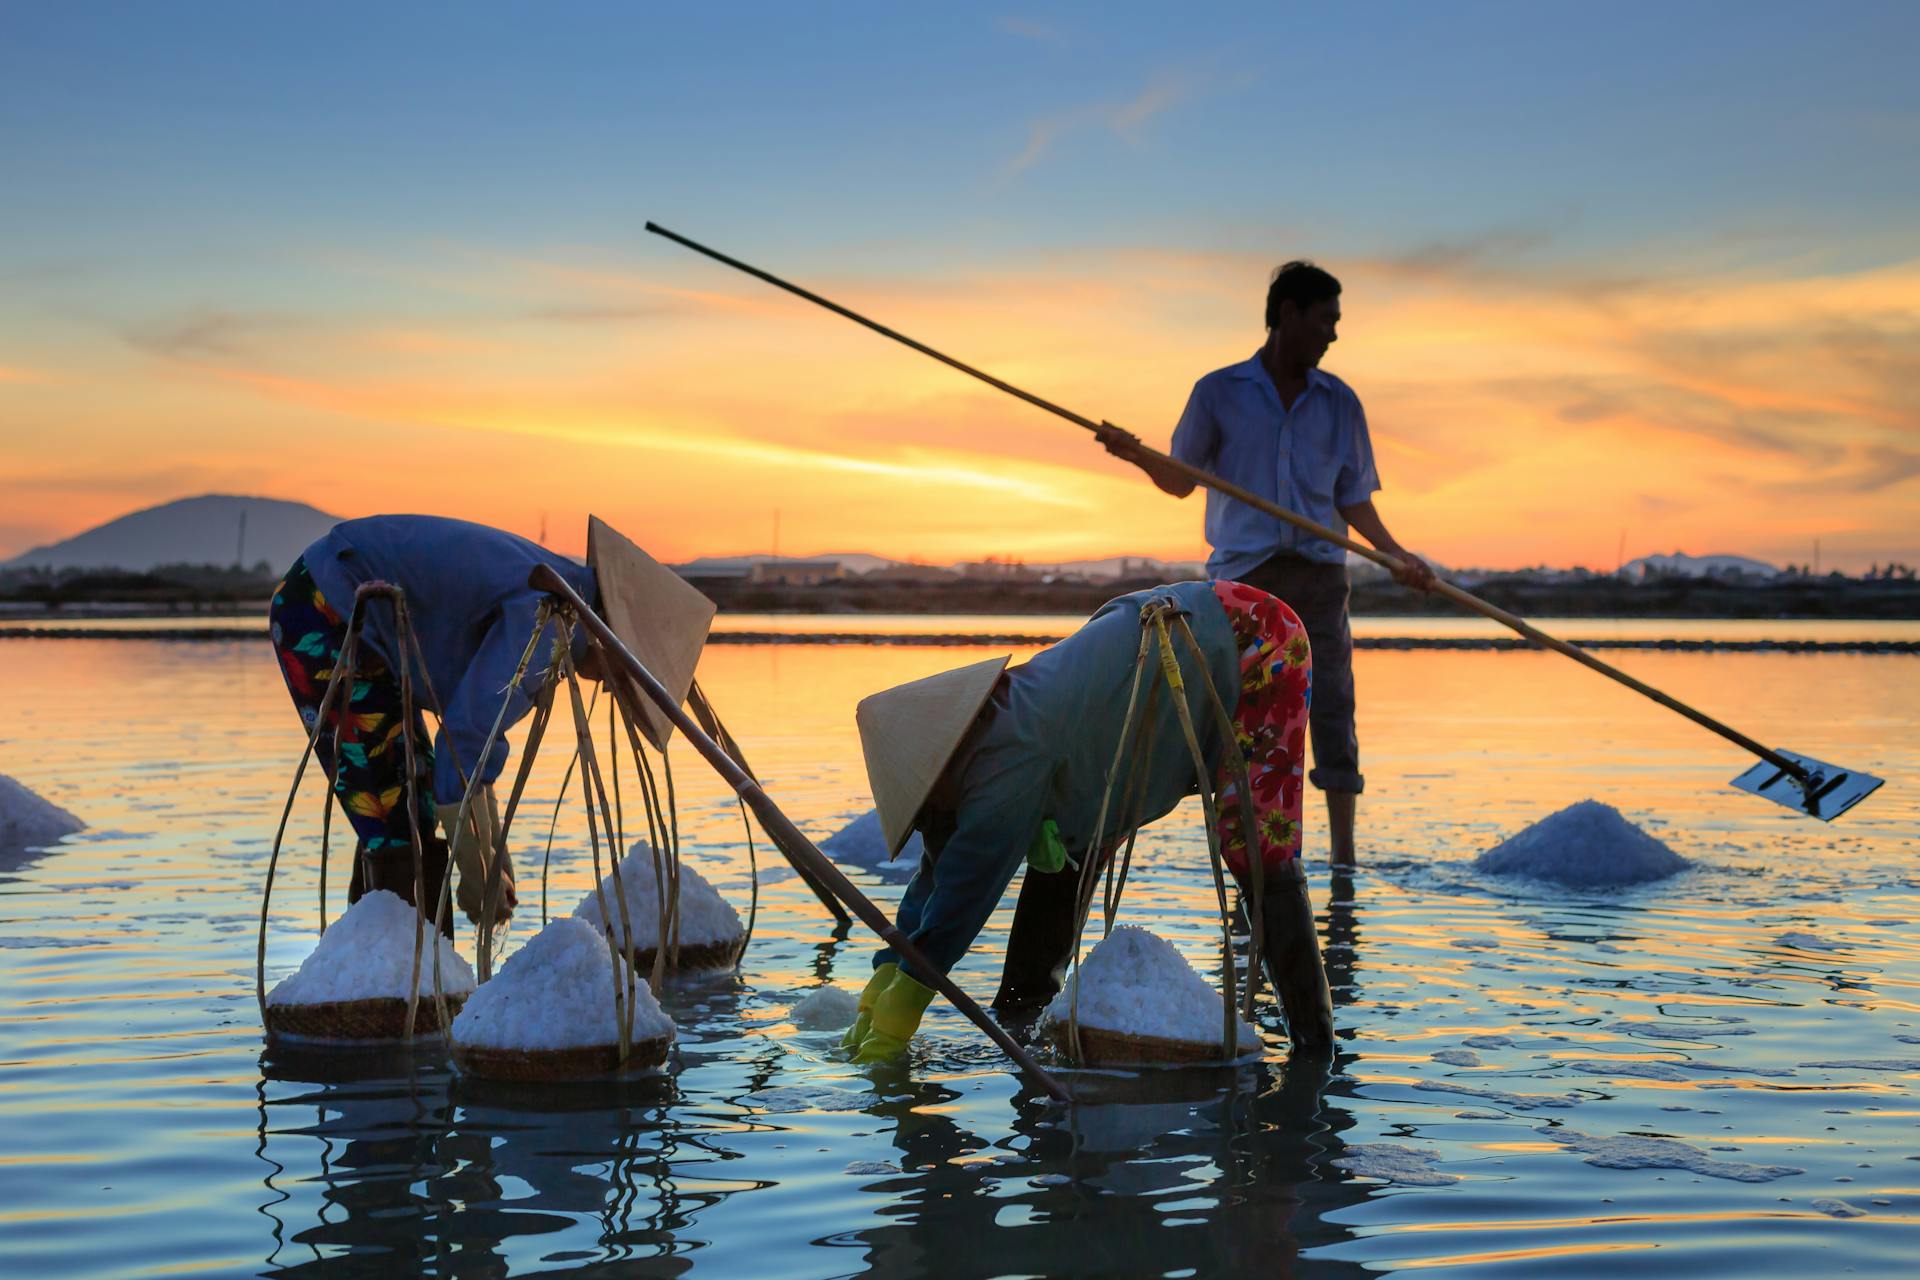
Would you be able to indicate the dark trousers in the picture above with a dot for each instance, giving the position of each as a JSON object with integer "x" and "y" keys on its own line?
{"x": 1318, "y": 593}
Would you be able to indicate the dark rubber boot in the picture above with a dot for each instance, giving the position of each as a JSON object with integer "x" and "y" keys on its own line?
{"x": 1040, "y": 944}
{"x": 392, "y": 869}
{"x": 1292, "y": 951}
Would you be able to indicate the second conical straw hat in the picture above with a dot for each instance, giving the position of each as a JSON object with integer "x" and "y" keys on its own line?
{"x": 910, "y": 731}
{"x": 661, "y": 619}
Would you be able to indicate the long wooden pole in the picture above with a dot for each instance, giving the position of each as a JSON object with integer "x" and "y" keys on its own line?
{"x": 1206, "y": 479}
{"x": 781, "y": 828}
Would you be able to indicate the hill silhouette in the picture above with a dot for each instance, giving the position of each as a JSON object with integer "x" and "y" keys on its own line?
{"x": 208, "y": 529}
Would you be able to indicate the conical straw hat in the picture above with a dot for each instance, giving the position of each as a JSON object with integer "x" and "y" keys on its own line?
{"x": 909, "y": 733}
{"x": 656, "y": 614}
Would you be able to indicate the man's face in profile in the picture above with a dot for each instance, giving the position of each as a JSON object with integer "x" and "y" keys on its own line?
{"x": 1306, "y": 334}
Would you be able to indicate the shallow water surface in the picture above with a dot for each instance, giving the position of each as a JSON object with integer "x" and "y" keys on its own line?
{"x": 1715, "y": 1075}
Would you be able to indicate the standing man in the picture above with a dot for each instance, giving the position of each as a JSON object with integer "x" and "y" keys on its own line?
{"x": 1283, "y": 428}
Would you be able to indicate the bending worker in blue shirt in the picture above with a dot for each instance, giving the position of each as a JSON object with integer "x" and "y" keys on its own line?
{"x": 1280, "y": 426}
{"x": 473, "y": 612}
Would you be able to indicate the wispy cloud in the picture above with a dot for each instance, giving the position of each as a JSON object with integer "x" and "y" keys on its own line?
{"x": 1124, "y": 120}
{"x": 1029, "y": 29}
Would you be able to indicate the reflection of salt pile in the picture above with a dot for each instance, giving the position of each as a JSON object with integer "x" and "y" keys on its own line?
{"x": 354, "y": 985}
{"x": 1142, "y": 1002}
{"x": 1586, "y": 845}
{"x": 29, "y": 822}
{"x": 863, "y": 843}
{"x": 549, "y": 1013}
{"x": 710, "y": 931}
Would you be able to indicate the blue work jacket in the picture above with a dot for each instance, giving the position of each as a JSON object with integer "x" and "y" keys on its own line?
{"x": 472, "y": 610}
{"x": 1044, "y": 751}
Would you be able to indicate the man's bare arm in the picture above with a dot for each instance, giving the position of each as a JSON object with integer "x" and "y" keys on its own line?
{"x": 1126, "y": 446}
{"x": 1413, "y": 571}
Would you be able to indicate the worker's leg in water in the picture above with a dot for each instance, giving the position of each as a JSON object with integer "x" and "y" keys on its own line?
{"x": 1040, "y": 943}
{"x": 1002, "y": 802}
{"x": 935, "y": 827}
{"x": 1270, "y": 724}
{"x": 361, "y": 746}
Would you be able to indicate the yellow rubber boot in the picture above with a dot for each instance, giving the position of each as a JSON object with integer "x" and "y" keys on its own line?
{"x": 864, "y": 1017}
{"x": 896, "y": 1016}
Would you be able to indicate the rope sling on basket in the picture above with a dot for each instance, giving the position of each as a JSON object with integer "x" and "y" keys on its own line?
{"x": 1161, "y": 620}
{"x": 605, "y": 806}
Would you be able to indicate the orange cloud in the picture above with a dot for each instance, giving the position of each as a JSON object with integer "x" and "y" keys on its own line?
{"x": 1519, "y": 416}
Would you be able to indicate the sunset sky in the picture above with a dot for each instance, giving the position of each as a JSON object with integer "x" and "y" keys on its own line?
{"x": 1638, "y": 270}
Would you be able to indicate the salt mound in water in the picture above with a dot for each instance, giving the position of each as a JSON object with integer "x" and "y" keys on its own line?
{"x": 29, "y": 822}
{"x": 367, "y": 954}
{"x": 863, "y": 843}
{"x": 826, "y": 1009}
{"x": 556, "y": 993}
{"x": 1586, "y": 845}
{"x": 1138, "y": 985}
{"x": 705, "y": 916}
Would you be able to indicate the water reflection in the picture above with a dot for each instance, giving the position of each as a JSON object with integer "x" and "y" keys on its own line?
{"x": 415, "y": 1170}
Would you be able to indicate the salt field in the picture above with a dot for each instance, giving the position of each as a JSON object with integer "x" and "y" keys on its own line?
{"x": 1711, "y": 1073}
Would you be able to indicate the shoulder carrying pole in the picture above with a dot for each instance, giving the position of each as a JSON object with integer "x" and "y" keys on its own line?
{"x": 781, "y": 828}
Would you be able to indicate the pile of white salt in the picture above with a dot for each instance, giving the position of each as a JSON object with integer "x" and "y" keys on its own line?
{"x": 1135, "y": 983}
{"x": 27, "y": 821}
{"x": 1587, "y": 845}
{"x": 367, "y": 954}
{"x": 557, "y": 992}
{"x": 705, "y": 916}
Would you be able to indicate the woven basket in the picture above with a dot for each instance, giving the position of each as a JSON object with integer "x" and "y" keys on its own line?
{"x": 383, "y": 1018}
{"x": 705, "y": 955}
{"x": 540, "y": 1065}
{"x": 1103, "y": 1048}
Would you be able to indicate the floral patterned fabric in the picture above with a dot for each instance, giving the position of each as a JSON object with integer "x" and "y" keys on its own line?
{"x": 1276, "y": 689}
{"x": 307, "y": 635}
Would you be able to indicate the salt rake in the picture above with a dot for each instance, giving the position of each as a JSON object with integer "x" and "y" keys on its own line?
{"x": 1789, "y": 778}
{"x": 631, "y": 679}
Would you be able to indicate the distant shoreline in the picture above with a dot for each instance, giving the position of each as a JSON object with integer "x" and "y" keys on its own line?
{"x": 1020, "y": 640}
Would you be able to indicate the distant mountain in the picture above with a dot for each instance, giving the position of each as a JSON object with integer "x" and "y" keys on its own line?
{"x": 1682, "y": 565}
{"x": 203, "y": 530}
{"x": 851, "y": 561}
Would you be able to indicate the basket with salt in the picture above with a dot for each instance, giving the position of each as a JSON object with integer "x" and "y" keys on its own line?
{"x": 1139, "y": 1001}
{"x": 550, "y": 1013}
{"x": 708, "y": 928}
{"x": 353, "y": 987}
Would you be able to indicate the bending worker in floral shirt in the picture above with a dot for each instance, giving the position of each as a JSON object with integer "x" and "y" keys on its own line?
{"x": 995, "y": 767}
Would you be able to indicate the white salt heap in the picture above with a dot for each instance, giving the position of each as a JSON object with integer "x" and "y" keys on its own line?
{"x": 1586, "y": 845}
{"x": 705, "y": 916}
{"x": 826, "y": 1009}
{"x": 556, "y": 993}
{"x": 1137, "y": 984}
{"x": 367, "y": 954}
{"x": 863, "y": 843}
{"x": 29, "y": 822}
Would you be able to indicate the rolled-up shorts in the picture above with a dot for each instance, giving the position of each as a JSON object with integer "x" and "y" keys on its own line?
{"x": 1317, "y": 592}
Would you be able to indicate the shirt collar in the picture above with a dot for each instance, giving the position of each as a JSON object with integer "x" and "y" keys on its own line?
{"x": 1252, "y": 368}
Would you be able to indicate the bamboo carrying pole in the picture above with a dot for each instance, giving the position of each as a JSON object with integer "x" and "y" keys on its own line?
{"x": 781, "y": 828}
{"x": 1109, "y": 433}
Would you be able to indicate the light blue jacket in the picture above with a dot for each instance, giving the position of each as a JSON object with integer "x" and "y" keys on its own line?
{"x": 1044, "y": 753}
{"x": 472, "y": 610}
